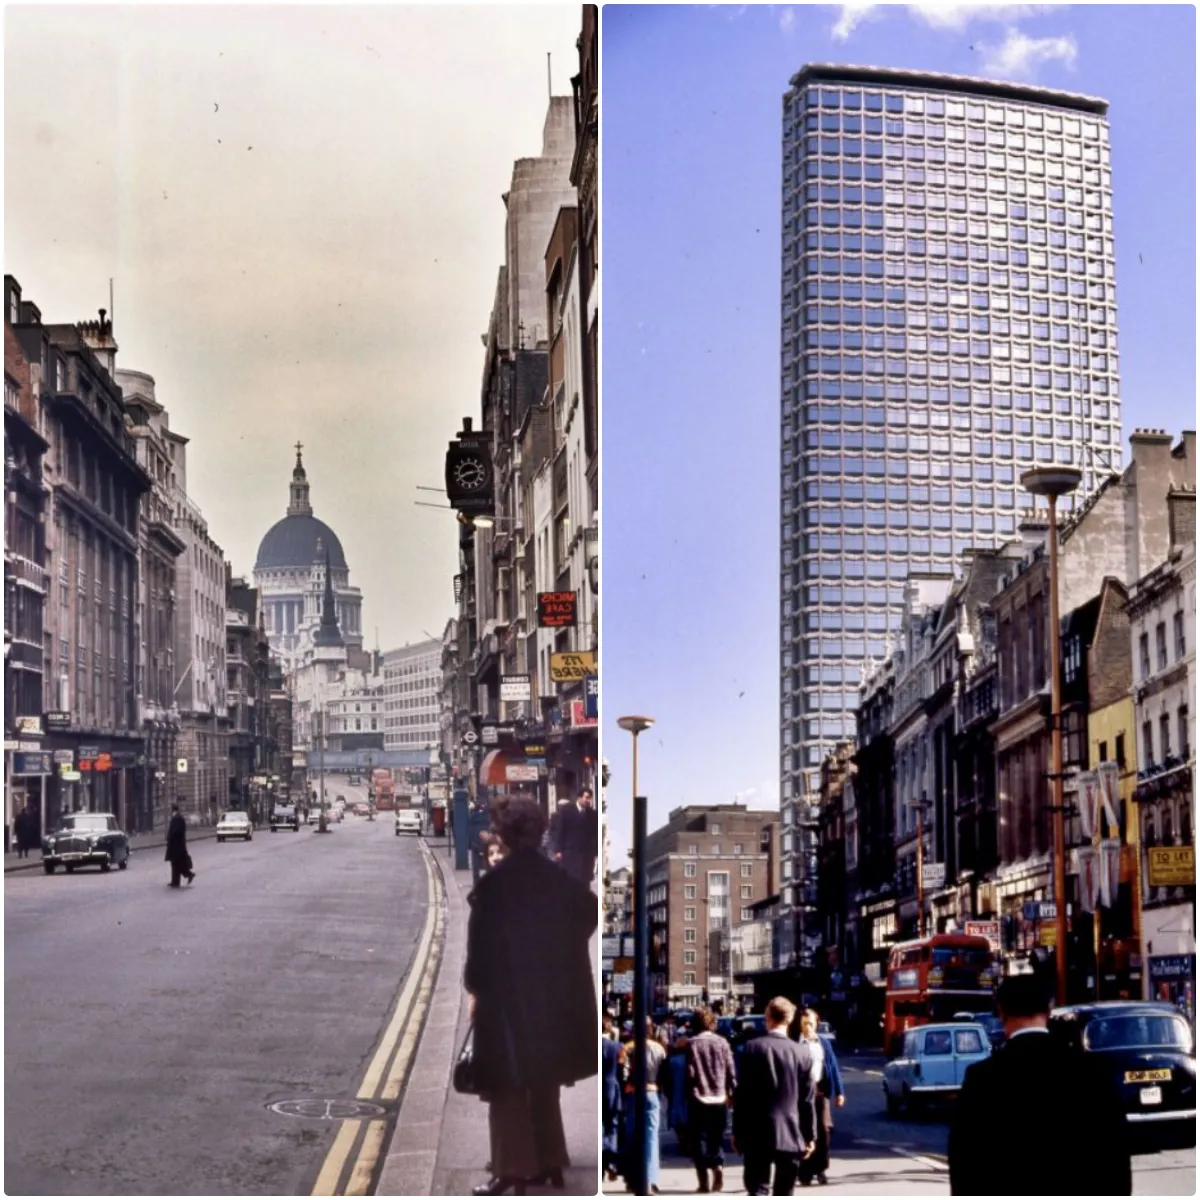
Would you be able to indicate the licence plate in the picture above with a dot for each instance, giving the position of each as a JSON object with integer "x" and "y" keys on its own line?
{"x": 1151, "y": 1095}
{"x": 1159, "y": 1076}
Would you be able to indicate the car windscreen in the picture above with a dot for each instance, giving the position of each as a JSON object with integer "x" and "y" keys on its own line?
{"x": 1142, "y": 1030}
{"x": 236, "y": 816}
{"x": 85, "y": 823}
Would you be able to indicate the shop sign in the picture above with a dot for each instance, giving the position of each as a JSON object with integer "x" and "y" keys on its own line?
{"x": 591, "y": 696}
{"x": 103, "y": 762}
{"x": 11, "y": 746}
{"x": 489, "y": 735}
{"x": 579, "y": 718}
{"x": 57, "y": 720}
{"x": 88, "y": 751}
{"x": 29, "y": 744}
{"x": 69, "y": 776}
{"x": 515, "y": 687}
{"x": 64, "y": 758}
{"x": 31, "y": 763}
{"x": 124, "y": 758}
{"x": 569, "y": 668}
{"x": 622, "y": 985}
{"x": 1040, "y": 910}
{"x": 181, "y": 766}
{"x": 987, "y": 929}
{"x": 934, "y": 875}
{"x": 535, "y": 749}
{"x": 556, "y": 610}
{"x": 610, "y": 945}
{"x": 521, "y": 773}
{"x": 1165, "y": 967}
{"x": 1047, "y": 934}
{"x": 28, "y": 726}
{"x": 1172, "y": 866}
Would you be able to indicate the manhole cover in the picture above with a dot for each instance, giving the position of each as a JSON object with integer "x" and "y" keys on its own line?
{"x": 326, "y": 1110}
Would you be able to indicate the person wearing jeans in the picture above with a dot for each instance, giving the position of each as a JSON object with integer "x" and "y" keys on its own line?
{"x": 711, "y": 1081}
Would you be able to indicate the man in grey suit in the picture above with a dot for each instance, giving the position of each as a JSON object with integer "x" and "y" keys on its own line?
{"x": 774, "y": 1111}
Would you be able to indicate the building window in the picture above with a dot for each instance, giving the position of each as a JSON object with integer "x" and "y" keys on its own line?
{"x": 1102, "y": 756}
{"x": 1160, "y": 644}
{"x": 716, "y": 848}
{"x": 689, "y": 870}
{"x": 1164, "y": 736}
{"x": 747, "y": 914}
{"x": 1120, "y": 749}
{"x": 1185, "y": 749}
{"x": 747, "y": 870}
{"x": 1148, "y": 743}
{"x": 1144, "y": 654}
{"x": 1180, "y": 636}
{"x": 689, "y": 935}
{"x": 714, "y": 829}
{"x": 689, "y": 913}
{"x": 747, "y": 891}
{"x": 689, "y": 890}
{"x": 689, "y": 958}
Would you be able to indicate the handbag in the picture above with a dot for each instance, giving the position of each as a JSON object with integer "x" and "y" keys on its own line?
{"x": 464, "y": 1068}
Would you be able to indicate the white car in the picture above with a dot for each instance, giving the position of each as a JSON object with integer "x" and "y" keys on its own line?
{"x": 408, "y": 820}
{"x": 234, "y": 825}
{"x": 314, "y": 817}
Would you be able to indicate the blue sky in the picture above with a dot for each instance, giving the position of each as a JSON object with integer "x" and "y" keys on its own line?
{"x": 691, "y": 196}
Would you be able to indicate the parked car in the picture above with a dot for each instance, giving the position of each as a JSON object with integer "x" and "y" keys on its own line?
{"x": 931, "y": 1064}
{"x": 408, "y": 820}
{"x": 314, "y": 815}
{"x": 1149, "y": 1053}
{"x": 234, "y": 825}
{"x": 84, "y": 840}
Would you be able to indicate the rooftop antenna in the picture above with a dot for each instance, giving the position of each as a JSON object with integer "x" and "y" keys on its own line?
{"x": 112, "y": 308}
{"x": 549, "y": 84}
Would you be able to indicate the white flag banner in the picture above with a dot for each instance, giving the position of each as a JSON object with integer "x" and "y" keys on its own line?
{"x": 1089, "y": 877}
{"x": 1110, "y": 793}
{"x": 1089, "y": 802}
{"x": 1110, "y": 871}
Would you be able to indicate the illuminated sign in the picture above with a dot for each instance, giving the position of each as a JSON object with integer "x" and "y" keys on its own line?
{"x": 556, "y": 610}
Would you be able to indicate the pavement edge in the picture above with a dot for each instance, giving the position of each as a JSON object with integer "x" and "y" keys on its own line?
{"x": 410, "y": 1161}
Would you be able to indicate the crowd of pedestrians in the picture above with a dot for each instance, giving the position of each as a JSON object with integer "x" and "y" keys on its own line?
{"x": 779, "y": 1089}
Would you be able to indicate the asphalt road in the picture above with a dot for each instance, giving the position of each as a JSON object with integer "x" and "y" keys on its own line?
{"x": 148, "y": 1030}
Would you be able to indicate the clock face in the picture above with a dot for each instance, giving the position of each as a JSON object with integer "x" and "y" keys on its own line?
{"x": 470, "y": 474}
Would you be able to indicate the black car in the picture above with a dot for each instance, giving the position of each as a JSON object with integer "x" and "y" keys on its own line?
{"x": 1150, "y": 1053}
{"x": 990, "y": 1022}
{"x": 85, "y": 839}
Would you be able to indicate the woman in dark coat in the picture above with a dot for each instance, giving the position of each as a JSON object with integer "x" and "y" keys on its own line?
{"x": 529, "y": 973}
{"x": 177, "y": 852}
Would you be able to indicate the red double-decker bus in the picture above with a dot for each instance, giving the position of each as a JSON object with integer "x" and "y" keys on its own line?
{"x": 932, "y": 978}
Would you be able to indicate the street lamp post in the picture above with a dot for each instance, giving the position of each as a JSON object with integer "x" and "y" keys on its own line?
{"x": 1053, "y": 482}
{"x": 641, "y": 928}
{"x": 920, "y": 806}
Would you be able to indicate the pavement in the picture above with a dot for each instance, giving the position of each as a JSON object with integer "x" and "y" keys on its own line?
{"x": 440, "y": 1146}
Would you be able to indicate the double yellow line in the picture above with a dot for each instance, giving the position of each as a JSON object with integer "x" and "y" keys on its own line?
{"x": 364, "y": 1139}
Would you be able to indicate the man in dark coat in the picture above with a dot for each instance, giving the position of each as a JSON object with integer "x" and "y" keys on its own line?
{"x": 774, "y": 1110}
{"x": 610, "y": 1097}
{"x": 529, "y": 971}
{"x": 21, "y": 832}
{"x": 1071, "y": 1136}
{"x": 177, "y": 852}
{"x": 581, "y": 837}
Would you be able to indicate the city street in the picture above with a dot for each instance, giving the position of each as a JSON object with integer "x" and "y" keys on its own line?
{"x": 148, "y": 1031}
{"x": 875, "y": 1155}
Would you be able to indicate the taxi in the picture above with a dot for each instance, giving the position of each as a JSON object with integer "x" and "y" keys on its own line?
{"x": 1150, "y": 1055}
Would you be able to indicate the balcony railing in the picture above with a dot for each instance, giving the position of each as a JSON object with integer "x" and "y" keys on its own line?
{"x": 26, "y": 573}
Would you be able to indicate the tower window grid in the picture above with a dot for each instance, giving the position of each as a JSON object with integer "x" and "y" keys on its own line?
{"x": 923, "y": 266}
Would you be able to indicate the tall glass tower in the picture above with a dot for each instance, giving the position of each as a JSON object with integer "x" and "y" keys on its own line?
{"x": 949, "y": 320}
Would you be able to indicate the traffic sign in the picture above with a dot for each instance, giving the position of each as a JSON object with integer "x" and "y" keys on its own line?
{"x": 470, "y": 737}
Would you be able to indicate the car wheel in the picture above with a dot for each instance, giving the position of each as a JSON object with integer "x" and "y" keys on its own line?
{"x": 249, "y": 836}
{"x": 69, "y": 868}
{"x": 124, "y": 862}
{"x": 106, "y": 865}
{"x": 48, "y": 867}
{"x": 219, "y": 839}
{"x": 893, "y": 1105}
{"x": 272, "y": 828}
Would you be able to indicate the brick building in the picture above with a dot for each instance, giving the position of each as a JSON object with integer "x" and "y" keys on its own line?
{"x": 706, "y": 868}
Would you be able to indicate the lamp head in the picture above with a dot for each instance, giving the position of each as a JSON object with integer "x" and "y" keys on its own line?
{"x": 1051, "y": 481}
{"x": 635, "y": 725}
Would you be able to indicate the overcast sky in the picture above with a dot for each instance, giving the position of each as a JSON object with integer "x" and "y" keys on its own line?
{"x": 301, "y": 210}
